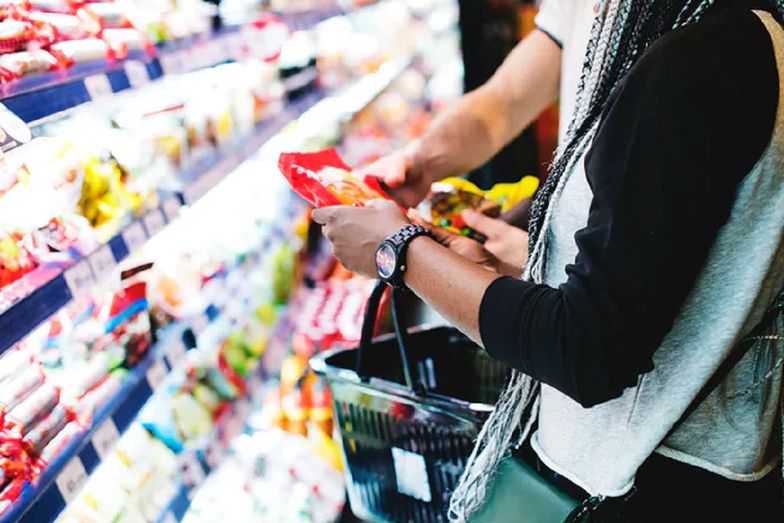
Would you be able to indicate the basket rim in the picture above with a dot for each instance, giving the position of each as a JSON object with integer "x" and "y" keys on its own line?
{"x": 389, "y": 388}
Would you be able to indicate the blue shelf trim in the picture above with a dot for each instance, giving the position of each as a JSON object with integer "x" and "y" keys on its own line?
{"x": 43, "y": 95}
{"x": 29, "y": 312}
{"x": 42, "y": 500}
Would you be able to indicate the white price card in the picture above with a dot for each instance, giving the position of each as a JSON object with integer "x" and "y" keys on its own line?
{"x": 177, "y": 352}
{"x": 199, "y": 323}
{"x": 103, "y": 263}
{"x": 79, "y": 278}
{"x": 171, "y": 208}
{"x": 98, "y": 86}
{"x": 154, "y": 222}
{"x": 134, "y": 237}
{"x": 105, "y": 438}
{"x": 193, "y": 472}
{"x": 169, "y": 63}
{"x": 71, "y": 479}
{"x": 411, "y": 474}
{"x": 156, "y": 374}
{"x": 137, "y": 73}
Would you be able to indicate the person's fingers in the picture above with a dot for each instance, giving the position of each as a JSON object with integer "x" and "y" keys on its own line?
{"x": 323, "y": 215}
{"x": 380, "y": 203}
{"x": 484, "y": 224}
{"x": 391, "y": 170}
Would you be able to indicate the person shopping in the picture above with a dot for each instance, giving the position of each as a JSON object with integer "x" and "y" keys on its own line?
{"x": 655, "y": 245}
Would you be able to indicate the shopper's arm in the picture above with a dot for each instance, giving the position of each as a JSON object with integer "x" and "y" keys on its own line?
{"x": 474, "y": 129}
{"x": 664, "y": 169}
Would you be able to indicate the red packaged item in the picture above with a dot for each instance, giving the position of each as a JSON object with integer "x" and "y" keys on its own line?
{"x": 10, "y": 493}
{"x": 25, "y": 63}
{"x": 323, "y": 179}
{"x": 15, "y": 35}
{"x": 40, "y": 434}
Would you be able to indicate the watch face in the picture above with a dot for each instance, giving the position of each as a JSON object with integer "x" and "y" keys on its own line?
{"x": 386, "y": 259}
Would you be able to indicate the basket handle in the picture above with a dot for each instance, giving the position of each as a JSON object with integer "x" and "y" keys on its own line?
{"x": 368, "y": 326}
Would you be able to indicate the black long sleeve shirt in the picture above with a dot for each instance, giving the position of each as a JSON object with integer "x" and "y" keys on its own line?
{"x": 678, "y": 135}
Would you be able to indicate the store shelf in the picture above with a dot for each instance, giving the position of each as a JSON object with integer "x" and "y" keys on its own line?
{"x": 38, "y": 97}
{"x": 62, "y": 478}
{"x": 33, "y": 309}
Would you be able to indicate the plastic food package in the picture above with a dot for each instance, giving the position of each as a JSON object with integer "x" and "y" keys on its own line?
{"x": 323, "y": 179}
{"x": 451, "y": 196}
{"x": 23, "y": 63}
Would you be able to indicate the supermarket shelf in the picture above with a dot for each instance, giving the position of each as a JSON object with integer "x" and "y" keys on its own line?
{"x": 32, "y": 310}
{"x": 176, "y": 508}
{"x": 62, "y": 478}
{"x": 41, "y": 96}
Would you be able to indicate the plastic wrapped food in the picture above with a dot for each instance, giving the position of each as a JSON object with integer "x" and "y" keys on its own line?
{"x": 24, "y": 63}
{"x": 451, "y": 196}
{"x": 323, "y": 179}
{"x": 16, "y": 389}
{"x": 36, "y": 406}
{"x": 81, "y": 51}
{"x": 44, "y": 430}
{"x": 15, "y": 35}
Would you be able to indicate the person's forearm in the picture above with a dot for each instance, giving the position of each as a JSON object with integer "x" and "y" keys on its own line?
{"x": 483, "y": 121}
{"x": 450, "y": 284}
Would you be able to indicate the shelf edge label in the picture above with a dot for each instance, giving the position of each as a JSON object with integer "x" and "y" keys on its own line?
{"x": 71, "y": 479}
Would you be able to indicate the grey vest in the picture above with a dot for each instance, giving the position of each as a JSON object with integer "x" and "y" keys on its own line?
{"x": 734, "y": 432}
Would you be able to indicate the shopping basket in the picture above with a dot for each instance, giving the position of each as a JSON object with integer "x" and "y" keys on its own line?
{"x": 409, "y": 406}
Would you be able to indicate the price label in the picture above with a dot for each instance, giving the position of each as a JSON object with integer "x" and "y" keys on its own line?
{"x": 105, "y": 438}
{"x": 134, "y": 237}
{"x": 199, "y": 323}
{"x": 177, "y": 352}
{"x": 98, "y": 86}
{"x": 171, "y": 208}
{"x": 170, "y": 63}
{"x": 103, "y": 263}
{"x": 137, "y": 73}
{"x": 79, "y": 278}
{"x": 156, "y": 374}
{"x": 154, "y": 222}
{"x": 193, "y": 472}
{"x": 71, "y": 479}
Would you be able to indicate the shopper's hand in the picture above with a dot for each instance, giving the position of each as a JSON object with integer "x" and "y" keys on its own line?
{"x": 506, "y": 242}
{"x": 505, "y": 250}
{"x": 356, "y": 232}
{"x": 405, "y": 181}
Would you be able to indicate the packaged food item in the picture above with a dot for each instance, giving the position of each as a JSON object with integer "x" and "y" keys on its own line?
{"x": 18, "y": 388}
{"x": 15, "y": 35}
{"x": 36, "y": 406}
{"x": 81, "y": 51}
{"x": 451, "y": 196}
{"x": 23, "y": 63}
{"x": 44, "y": 430}
{"x": 323, "y": 179}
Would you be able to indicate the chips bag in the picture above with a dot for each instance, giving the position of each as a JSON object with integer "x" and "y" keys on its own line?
{"x": 323, "y": 179}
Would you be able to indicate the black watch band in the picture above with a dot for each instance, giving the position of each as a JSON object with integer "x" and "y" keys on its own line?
{"x": 395, "y": 246}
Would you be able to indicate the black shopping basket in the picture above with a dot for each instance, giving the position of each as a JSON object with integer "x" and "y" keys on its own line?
{"x": 409, "y": 407}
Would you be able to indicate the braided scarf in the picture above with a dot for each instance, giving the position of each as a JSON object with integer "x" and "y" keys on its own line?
{"x": 623, "y": 29}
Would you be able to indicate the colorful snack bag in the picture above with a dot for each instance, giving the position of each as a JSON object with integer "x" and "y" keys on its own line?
{"x": 323, "y": 179}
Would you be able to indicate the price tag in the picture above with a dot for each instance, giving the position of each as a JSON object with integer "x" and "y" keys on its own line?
{"x": 105, "y": 438}
{"x": 177, "y": 352}
{"x": 193, "y": 472}
{"x": 156, "y": 374}
{"x": 71, "y": 479}
{"x": 103, "y": 263}
{"x": 79, "y": 278}
{"x": 154, "y": 222}
{"x": 137, "y": 73}
{"x": 98, "y": 86}
{"x": 171, "y": 208}
{"x": 134, "y": 237}
{"x": 199, "y": 323}
{"x": 167, "y": 63}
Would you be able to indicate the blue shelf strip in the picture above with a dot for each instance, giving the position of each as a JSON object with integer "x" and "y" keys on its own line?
{"x": 29, "y": 312}
{"x": 37, "y": 97}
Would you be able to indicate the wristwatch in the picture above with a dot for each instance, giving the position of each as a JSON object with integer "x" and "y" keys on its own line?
{"x": 391, "y": 254}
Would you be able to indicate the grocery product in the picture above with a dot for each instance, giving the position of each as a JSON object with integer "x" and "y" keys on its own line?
{"x": 323, "y": 179}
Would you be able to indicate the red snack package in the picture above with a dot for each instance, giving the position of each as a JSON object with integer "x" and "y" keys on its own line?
{"x": 323, "y": 179}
